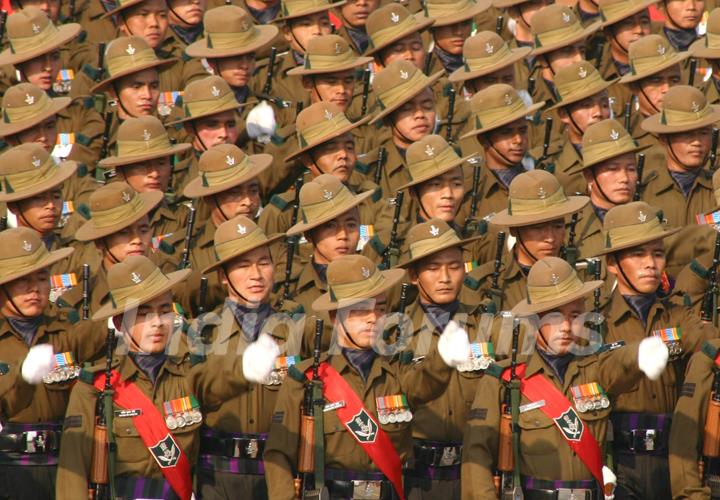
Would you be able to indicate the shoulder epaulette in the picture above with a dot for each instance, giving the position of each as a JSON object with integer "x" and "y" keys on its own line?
{"x": 363, "y": 168}
{"x": 710, "y": 350}
{"x": 687, "y": 301}
{"x": 87, "y": 375}
{"x": 279, "y": 202}
{"x": 84, "y": 210}
{"x": 93, "y": 73}
{"x": 278, "y": 140}
{"x": 73, "y": 316}
{"x": 495, "y": 370}
{"x": 405, "y": 357}
{"x": 196, "y": 359}
{"x": 82, "y": 139}
{"x": 550, "y": 167}
{"x": 471, "y": 283}
{"x": 88, "y": 102}
{"x": 377, "y": 244}
{"x": 698, "y": 269}
{"x": 184, "y": 57}
{"x": 610, "y": 347}
{"x": 82, "y": 170}
{"x": 166, "y": 247}
{"x": 296, "y": 374}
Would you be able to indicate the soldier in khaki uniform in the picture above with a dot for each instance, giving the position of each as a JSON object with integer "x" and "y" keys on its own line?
{"x": 353, "y": 16}
{"x": 28, "y": 465}
{"x": 186, "y": 23}
{"x": 372, "y": 386}
{"x": 246, "y": 270}
{"x": 706, "y": 48}
{"x": 681, "y": 22}
{"x": 682, "y": 186}
{"x": 159, "y": 396}
{"x": 435, "y": 265}
{"x": 560, "y": 442}
{"x": 633, "y": 245}
{"x": 535, "y": 214}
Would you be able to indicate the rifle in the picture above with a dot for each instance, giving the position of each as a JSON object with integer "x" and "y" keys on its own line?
{"x": 292, "y": 241}
{"x": 202, "y": 296}
{"x": 494, "y": 293}
{"x": 379, "y": 164}
{"x": 596, "y": 276}
{"x": 499, "y": 25}
{"x": 711, "y": 438}
{"x": 628, "y": 115}
{"x": 365, "y": 91}
{"x": 102, "y": 477}
{"x": 450, "y": 92}
{"x": 570, "y": 252}
{"x": 185, "y": 262}
{"x": 86, "y": 291}
{"x": 638, "y": 182}
{"x": 471, "y": 225}
{"x": 509, "y": 446}
{"x": 391, "y": 251}
{"x": 267, "y": 88}
{"x": 546, "y": 139}
{"x": 713, "y": 148}
{"x": 311, "y": 453}
{"x": 693, "y": 70}
{"x": 709, "y": 302}
{"x": 531, "y": 86}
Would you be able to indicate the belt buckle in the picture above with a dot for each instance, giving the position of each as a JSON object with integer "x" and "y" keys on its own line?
{"x": 34, "y": 442}
{"x": 573, "y": 494}
{"x": 367, "y": 490}
{"x": 252, "y": 448}
{"x": 646, "y": 436}
{"x": 449, "y": 456}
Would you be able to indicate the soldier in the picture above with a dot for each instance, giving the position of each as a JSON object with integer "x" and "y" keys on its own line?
{"x": 707, "y": 48}
{"x": 435, "y": 265}
{"x": 17, "y": 381}
{"x": 246, "y": 270}
{"x": 158, "y": 396}
{"x": 654, "y": 69}
{"x": 682, "y": 186}
{"x": 558, "y": 450}
{"x": 681, "y": 22}
{"x": 353, "y": 17}
{"x": 186, "y": 22}
{"x": 368, "y": 457}
{"x": 29, "y": 466}
{"x": 633, "y": 237}
{"x": 535, "y": 214}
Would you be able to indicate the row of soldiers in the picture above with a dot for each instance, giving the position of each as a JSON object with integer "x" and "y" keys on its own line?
{"x": 303, "y": 249}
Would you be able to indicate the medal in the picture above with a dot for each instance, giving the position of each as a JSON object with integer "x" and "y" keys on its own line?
{"x": 481, "y": 355}
{"x": 282, "y": 364}
{"x": 170, "y": 420}
{"x": 672, "y": 338}
{"x": 64, "y": 369}
{"x": 195, "y": 412}
{"x": 589, "y": 397}
{"x": 381, "y": 410}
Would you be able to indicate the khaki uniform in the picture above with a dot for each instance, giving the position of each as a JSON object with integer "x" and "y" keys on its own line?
{"x": 512, "y": 282}
{"x": 588, "y": 231}
{"x": 664, "y": 193}
{"x": 565, "y": 163}
{"x": 15, "y": 393}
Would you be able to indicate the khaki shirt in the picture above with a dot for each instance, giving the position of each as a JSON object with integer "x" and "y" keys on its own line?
{"x": 588, "y": 236}
{"x": 664, "y": 193}
{"x": 512, "y": 283}
{"x": 565, "y": 163}
{"x": 15, "y": 393}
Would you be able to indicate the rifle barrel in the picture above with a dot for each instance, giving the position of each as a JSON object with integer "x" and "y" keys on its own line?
{"x": 713, "y": 148}
{"x": 185, "y": 261}
{"x": 267, "y": 88}
{"x": 638, "y": 182}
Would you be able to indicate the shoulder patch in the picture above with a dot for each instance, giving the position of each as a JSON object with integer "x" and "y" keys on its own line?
{"x": 698, "y": 269}
{"x": 377, "y": 244}
{"x": 688, "y": 390}
{"x": 471, "y": 283}
{"x": 279, "y": 202}
{"x": 196, "y": 359}
{"x": 84, "y": 210}
{"x": 73, "y": 316}
{"x": 405, "y": 357}
{"x": 296, "y": 374}
{"x": 477, "y": 414}
{"x": 72, "y": 421}
{"x": 495, "y": 370}
{"x": 363, "y": 168}
{"x": 87, "y": 376}
{"x": 166, "y": 247}
{"x": 82, "y": 139}
{"x": 82, "y": 170}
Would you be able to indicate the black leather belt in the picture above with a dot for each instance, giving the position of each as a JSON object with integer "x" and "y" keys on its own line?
{"x": 437, "y": 454}
{"x": 361, "y": 489}
{"x": 31, "y": 442}
{"x": 250, "y": 447}
{"x": 641, "y": 440}
{"x": 560, "y": 494}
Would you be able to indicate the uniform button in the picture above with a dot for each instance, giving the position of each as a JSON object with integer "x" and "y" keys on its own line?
{"x": 654, "y": 396}
{"x": 252, "y": 420}
{"x": 537, "y": 423}
{"x": 449, "y": 412}
{"x": 128, "y": 430}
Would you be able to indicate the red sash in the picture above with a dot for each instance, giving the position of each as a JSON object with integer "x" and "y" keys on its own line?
{"x": 361, "y": 425}
{"x": 558, "y": 408}
{"x": 151, "y": 426}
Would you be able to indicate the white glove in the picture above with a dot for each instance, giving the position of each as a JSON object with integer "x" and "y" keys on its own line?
{"x": 652, "y": 357}
{"x": 454, "y": 346}
{"x": 260, "y": 122}
{"x": 38, "y": 363}
{"x": 609, "y": 477}
{"x": 259, "y": 358}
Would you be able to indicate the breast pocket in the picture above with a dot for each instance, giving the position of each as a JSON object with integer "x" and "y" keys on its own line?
{"x": 538, "y": 433}
{"x": 337, "y": 445}
{"x": 130, "y": 447}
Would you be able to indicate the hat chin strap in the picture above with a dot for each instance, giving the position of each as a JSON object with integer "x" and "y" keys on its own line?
{"x": 27, "y": 222}
{"x": 197, "y": 135}
{"x": 599, "y": 187}
{"x": 247, "y": 301}
{"x": 347, "y": 333}
{"x": 12, "y": 302}
{"x": 655, "y": 108}
{"x": 120, "y": 103}
{"x": 525, "y": 248}
{"x": 217, "y": 205}
{"x": 107, "y": 250}
{"x": 675, "y": 156}
{"x": 627, "y": 280}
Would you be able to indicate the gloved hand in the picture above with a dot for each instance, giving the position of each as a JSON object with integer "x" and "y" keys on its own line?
{"x": 652, "y": 357}
{"x": 259, "y": 358}
{"x": 38, "y": 363}
{"x": 610, "y": 481}
{"x": 454, "y": 346}
{"x": 261, "y": 123}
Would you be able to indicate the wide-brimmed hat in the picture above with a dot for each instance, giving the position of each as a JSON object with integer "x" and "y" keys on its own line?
{"x": 535, "y": 197}
{"x": 430, "y": 157}
{"x": 496, "y": 106}
{"x": 328, "y": 54}
{"x": 127, "y": 55}
{"x": 236, "y": 237}
{"x": 114, "y": 207}
{"x": 24, "y": 105}
{"x": 614, "y": 11}
{"x": 136, "y": 281}
{"x": 28, "y": 169}
{"x": 556, "y": 26}
{"x": 631, "y": 225}
{"x": 352, "y": 279}
{"x": 429, "y": 238}
{"x": 447, "y": 12}
{"x": 292, "y": 9}
{"x": 230, "y": 31}
{"x": 390, "y": 23}
{"x": 552, "y": 283}
{"x": 649, "y": 55}
{"x": 708, "y": 47}
{"x": 319, "y": 123}
{"x": 30, "y": 33}
{"x": 486, "y": 53}
{"x": 24, "y": 253}
{"x": 684, "y": 108}
{"x": 506, "y": 4}
{"x": 322, "y": 200}
{"x": 141, "y": 139}
{"x": 223, "y": 167}
{"x": 576, "y": 82}
{"x": 119, "y": 6}
{"x": 206, "y": 97}
{"x": 605, "y": 140}
{"x": 397, "y": 84}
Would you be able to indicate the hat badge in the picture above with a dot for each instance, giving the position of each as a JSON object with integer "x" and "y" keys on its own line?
{"x": 36, "y": 161}
{"x": 126, "y": 197}
{"x": 245, "y": 25}
{"x": 642, "y": 217}
{"x": 338, "y": 48}
{"x": 241, "y": 229}
{"x": 429, "y": 150}
{"x": 404, "y": 75}
{"x": 365, "y": 272}
{"x": 27, "y": 246}
{"x": 661, "y": 49}
{"x": 434, "y": 231}
{"x": 130, "y": 49}
{"x": 146, "y": 135}
{"x": 35, "y": 28}
{"x": 489, "y": 48}
{"x": 327, "y": 194}
{"x": 508, "y": 100}
{"x": 29, "y": 99}
{"x": 582, "y": 72}
{"x": 328, "y": 115}
{"x": 230, "y": 160}
{"x": 136, "y": 278}
{"x": 215, "y": 91}
{"x": 394, "y": 17}
{"x": 695, "y": 107}
{"x": 554, "y": 279}
{"x": 541, "y": 193}
{"x": 614, "y": 135}
{"x": 565, "y": 17}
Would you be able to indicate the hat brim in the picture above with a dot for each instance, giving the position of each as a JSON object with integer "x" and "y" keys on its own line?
{"x": 301, "y": 227}
{"x": 385, "y": 112}
{"x": 573, "y": 205}
{"x": 447, "y": 168}
{"x": 676, "y": 59}
{"x": 585, "y": 165}
{"x": 423, "y": 23}
{"x": 508, "y": 119}
{"x": 504, "y": 4}
{"x": 102, "y": 85}
{"x": 308, "y": 12}
{"x": 63, "y": 172}
{"x": 523, "y": 308}
{"x": 358, "y": 62}
{"x": 109, "y": 309}
{"x": 330, "y": 137}
{"x": 65, "y": 33}
{"x": 638, "y": 242}
{"x": 392, "y": 278}
{"x": 199, "y": 49}
{"x": 462, "y": 15}
{"x": 57, "y": 104}
{"x": 698, "y": 49}
{"x": 638, "y": 8}
{"x": 88, "y": 231}
{"x": 462, "y": 75}
{"x": 52, "y": 258}
{"x": 119, "y": 161}
{"x": 270, "y": 241}
{"x": 584, "y": 94}
{"x": 585, "y": 33}
{"x": 229, "y": 107}
{"x": 653, "y": 124}
{"x": 258, "y": 164}
{"x": 122, "y": 7}
{"x": 404, "y": 264}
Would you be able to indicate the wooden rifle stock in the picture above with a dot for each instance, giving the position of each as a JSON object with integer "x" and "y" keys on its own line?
{"x": 99, "y": 477}
{"x": 711, "y": 438}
